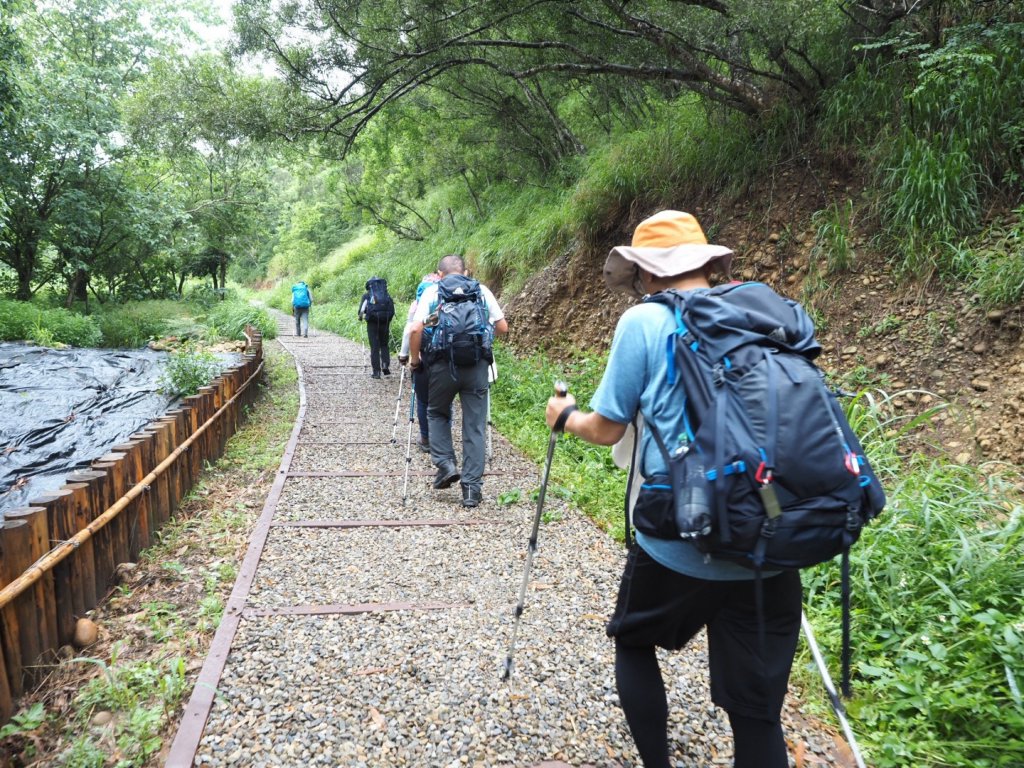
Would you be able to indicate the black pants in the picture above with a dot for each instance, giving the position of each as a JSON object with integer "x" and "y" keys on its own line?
{"x": 749, "y": 656}
{"x": 379, "y": 332}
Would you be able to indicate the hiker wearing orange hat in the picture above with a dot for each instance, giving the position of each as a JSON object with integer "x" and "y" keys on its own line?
{"x": 670, "y": 590}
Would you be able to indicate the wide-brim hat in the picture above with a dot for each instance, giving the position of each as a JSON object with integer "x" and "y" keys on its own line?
{"x": 665, "y": 244}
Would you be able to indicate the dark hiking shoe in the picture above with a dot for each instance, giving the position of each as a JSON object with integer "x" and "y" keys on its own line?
{"x": 446, "y": 475}
{"x": 386, "y": 371}
{"x": 471, "y": 497}
{"x": 374, "y": 375}
{"x": 424, "y": 444}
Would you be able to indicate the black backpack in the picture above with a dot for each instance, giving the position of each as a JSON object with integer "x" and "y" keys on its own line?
{"x": 379, "y": 305}
{"x": 768, "y": 451}
{"x": 463, "y": 334}
{"x": 769, "y": 473}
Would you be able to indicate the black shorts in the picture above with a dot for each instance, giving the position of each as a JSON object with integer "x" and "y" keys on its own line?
{"x": 660, "y": 607}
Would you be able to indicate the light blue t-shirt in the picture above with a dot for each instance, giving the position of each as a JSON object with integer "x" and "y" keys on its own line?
{"x": 636, "y": 379}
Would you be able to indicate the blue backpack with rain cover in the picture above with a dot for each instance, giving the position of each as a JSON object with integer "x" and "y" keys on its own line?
{"x": 300, "y": 296}
{"x": 768, "y": 472}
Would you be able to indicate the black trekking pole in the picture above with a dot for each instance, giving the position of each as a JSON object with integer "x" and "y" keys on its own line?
{"x": 408, "y": 446}
{"x": 561, "y": 390}
{"x": 398, "y": 404}
{"x": 837, "y": 704}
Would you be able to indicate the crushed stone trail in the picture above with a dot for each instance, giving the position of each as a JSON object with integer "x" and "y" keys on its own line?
{"x": 365, "y": 632}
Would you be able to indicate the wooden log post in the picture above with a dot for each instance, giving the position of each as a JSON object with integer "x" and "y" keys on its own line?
{"x": 113, "y": 488}
{"x": 59, "y": 514}
{"x": 13, "y": 534}
{"x": 161, "y": 496}
{"x": 6, "y": 699}
{"x": 143, "y": 464}
{"x": 222, "y": 433}
{"x": 174, "y": 472}
{"x": 83, "y": 567}
{"x": 193, "y": 407}
{"x": 36, "y": 607}
{"x": 204, "y": 443}
{"x": 134, "y": 513}
{"x": 102, "y": 548}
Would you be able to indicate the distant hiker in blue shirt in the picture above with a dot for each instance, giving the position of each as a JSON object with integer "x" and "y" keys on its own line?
{"x": 302, "y": 300}
{"x": 670, "y": 590}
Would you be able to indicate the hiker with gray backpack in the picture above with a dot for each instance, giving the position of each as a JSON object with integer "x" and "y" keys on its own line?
{"x": 463, "y": 316}
{"x": 749, "y": 472}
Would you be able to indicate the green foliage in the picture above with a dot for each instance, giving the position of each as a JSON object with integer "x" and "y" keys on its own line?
{"x": 996, "y": 262}
{"x": 187, "y": 370}
{"x": 579, "y": 470}
{"x": 133, "y": 324}
{"x": 931, "y": 192}
{"x": 832, "y": 237}
{"x": 227, "y": 319}
{"x": 938, "y": 643}
{"x": 25, "y": 721}
{"x": 48, "y": 327}
{"x": 939, "y": 125}
{"x": 143, "y": 693}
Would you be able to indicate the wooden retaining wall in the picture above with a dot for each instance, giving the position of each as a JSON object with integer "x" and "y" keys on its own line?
{"x": 58, "y": 556}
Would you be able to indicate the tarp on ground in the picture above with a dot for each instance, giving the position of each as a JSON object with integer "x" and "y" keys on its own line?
{"x": 60, "y": 409}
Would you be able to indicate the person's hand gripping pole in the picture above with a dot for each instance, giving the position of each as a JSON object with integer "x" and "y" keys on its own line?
{"x": 561, "y": 390}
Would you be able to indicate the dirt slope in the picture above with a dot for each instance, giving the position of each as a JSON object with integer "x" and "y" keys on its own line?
{"x": 930, "y": 341}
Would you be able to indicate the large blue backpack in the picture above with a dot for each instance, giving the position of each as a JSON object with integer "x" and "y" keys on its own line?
{"x": 463, "y": 334}
{"x": 300, "y": 296}
{"x": 768, "y": 473}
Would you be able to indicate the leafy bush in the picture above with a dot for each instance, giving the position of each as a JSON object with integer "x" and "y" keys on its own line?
{"x": 227, "y": 319}
{"x": 23, "y": 321}
{"x": 996, "y": 264}
{"x": 135, "y": 323}
{"x": 187, "y": 370}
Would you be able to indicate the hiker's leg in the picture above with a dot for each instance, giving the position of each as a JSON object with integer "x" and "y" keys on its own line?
{"x": 385, "y": 346}
{"x": 421, "y": 384}
{"x": 439, "y": 412}
{"x": 374, "y": 338}
{"x": 473, "y": 398}
{"x": 304, "y": 320}
{"x": 758, "y": 743}
{"x": 750, "y": 671}
{"x": 297, "y": 312}
{"x": 642, "y": 696}
{"x": 656, "y": 607}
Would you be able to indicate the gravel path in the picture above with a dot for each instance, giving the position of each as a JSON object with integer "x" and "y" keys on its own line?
{"x": 369, "y": 645}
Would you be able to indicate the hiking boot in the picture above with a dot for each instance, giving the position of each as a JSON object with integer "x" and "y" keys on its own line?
{"x": 374, "y": 375}
{"x": 424, "y": 444}
{"x": 386, "y": 371}
{"x": 471, "y": 496}
{"x": 446, "y": 475}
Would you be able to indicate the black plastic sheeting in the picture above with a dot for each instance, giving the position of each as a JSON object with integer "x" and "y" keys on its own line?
{"x": 62, "y": 409}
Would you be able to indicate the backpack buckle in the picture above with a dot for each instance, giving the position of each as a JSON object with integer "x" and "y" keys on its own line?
{"x": 718, "y": 374}
{"x": 853, "y": 523}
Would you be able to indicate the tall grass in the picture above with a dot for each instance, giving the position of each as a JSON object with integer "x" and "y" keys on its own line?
{"x": 941, "y": 127}
{"x": 938, "y": 595}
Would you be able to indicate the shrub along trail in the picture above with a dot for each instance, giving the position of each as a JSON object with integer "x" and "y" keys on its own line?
{"x": 374, "y": 634}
